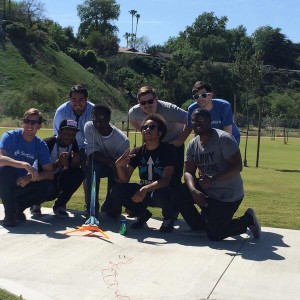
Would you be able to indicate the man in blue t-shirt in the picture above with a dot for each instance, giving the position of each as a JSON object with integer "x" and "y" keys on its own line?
{"x": 21, "y": 185}
{"x": 219, "y": 109}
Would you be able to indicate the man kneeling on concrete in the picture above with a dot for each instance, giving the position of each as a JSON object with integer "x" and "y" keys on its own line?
{"x": 65, "y": 158}
{"x": 219, "y": 190}
{"x": 156, "y": 162}
{"x": 20, "y": 184}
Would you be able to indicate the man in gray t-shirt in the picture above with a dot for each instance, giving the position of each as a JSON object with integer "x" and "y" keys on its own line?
{"x": 104, "y": 144}
{"x": 174, "y": 116}
{"x": 219, "y": 189}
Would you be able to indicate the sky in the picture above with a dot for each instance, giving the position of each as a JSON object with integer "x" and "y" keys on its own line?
{"x": 161, "y": 19}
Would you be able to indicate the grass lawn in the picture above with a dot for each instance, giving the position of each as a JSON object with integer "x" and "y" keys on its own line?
{"x": 271, "y": 189}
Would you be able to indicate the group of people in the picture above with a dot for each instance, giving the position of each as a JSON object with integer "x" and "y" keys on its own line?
{"x": 86, "y": 142}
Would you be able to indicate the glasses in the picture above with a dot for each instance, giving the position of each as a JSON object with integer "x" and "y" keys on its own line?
{"x": 150, "y": 101}
{"x": 31, "y": 122}
{"x": 150, "y": 127}
{"x": 200, "y": 96}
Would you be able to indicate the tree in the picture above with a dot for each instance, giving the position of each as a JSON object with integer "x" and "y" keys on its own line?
{"x": 33, "y": 10}
{"x": 96, "y": 15}
{"x": 276, "y": 49}
{"x": 136, "y": 26}
{"x": 127, "y": 36}
{"x": 133, "y": 13}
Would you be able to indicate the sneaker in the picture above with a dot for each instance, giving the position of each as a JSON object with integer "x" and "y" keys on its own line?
{"x": 141, "y": 221}
{"x": 36, "y": 209}
{"x": 20, "y": 216}
{"x": 255, "y": 228}
{"x": 197, "y": 232}
{"x": 9, "y": 221}
{"x": 130, "y": 213}
{"x": 167, "y": 225}
{"x": 60, "y": 211}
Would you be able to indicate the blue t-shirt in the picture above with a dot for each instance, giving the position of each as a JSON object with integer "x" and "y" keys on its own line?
{"x": 221, "y": 116}
{"x": 65, "y": 111}
{"x": 19, "y": 149}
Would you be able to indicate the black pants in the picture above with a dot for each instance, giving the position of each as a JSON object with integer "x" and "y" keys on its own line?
{"x": 217, "y": 218}
{"x": 123, "y": 192}
{"x": 16, "y": 197}
{"x": 178, "y": 170}
{"x": 66, "y": 183}
{"x": 101, "y": 171}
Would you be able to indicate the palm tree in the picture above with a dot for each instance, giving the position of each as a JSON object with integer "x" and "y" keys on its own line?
{"x": 136, "y": 26}
{"x": 127, "y": 35}
{"x": 133, "y": 13}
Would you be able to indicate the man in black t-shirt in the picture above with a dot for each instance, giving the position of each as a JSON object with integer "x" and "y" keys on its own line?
{"x": 156, "y": 162}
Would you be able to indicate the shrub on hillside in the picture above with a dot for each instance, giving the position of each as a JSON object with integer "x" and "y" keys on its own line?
{"x": 17, "y": 31}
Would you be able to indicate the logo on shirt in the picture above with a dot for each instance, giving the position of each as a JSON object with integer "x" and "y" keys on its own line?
{"x": 23, "y": 154}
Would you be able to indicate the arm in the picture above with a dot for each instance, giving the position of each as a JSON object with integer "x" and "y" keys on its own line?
{"x": 7, "y": 161}
{"x": 135, "y": 125}
{"x": 182, "y": 138}
{"x": 123, "y": 169}
{"x": 235, "y": 166}
{"x": 191, "y": 183}
{"x": 228, "y": 128}
{"x": 158, "y": 184}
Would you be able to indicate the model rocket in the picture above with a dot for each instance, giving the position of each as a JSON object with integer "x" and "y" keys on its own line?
{"x": 92, "y": 223}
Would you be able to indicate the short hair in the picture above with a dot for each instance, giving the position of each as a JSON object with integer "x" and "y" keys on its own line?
{"x": 34, "y": 111}
{"x": 199, "y": 85}
{"x": 105, "y": 108}
{"x": 144, "y": 90}
{"x": 161, "y": 122}
{"x": 79, "y": 89}
{"x": 201, "y": 111}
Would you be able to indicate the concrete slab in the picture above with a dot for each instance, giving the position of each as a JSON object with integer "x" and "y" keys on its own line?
{"x": 38, "y": 261}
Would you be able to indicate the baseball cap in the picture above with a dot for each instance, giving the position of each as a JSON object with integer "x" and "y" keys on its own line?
{"x": 71, "y": 124}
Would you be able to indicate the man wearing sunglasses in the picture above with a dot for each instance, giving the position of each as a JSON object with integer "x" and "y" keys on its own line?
{"x": 156, "y": 162}
{"x": 174, "y": 116}
{"x": 220, "y": 110}
{"x": 22, "y": 186}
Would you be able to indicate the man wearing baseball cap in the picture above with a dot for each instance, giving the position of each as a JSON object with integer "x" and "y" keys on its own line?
{"x": 68, "y": 175}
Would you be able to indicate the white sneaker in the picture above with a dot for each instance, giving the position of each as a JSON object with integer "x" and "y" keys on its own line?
{"x": 190, "y": 232}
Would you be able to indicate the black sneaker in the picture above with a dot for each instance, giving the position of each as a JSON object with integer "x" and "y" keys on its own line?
{"x": 9, "y": 221}
{"x": 60, "y": 211}
{"x": 20, "y": 216}
{"x": 36, "y": 210}
{"x": 141, "y": 221}
{"x": 255, "y": 228}
{"x": 167, "y": 225}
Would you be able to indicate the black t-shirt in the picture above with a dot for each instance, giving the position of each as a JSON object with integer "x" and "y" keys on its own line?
{"x": 151, "y": 163}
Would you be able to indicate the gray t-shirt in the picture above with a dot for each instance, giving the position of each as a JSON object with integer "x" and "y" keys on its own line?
{"x": 175, "y": 118}
{"x": 111, "y": 146}
{"x": 211, "y": 160}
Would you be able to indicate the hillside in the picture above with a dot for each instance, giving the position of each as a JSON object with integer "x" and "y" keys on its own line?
{"x": 45, "y": 71}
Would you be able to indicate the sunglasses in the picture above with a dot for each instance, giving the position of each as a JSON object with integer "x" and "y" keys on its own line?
{"x": 150, "y": 127}
{"x": 200, "y": 96}
{"x": 31, "y": 122}
{"x": 150, "y": 101}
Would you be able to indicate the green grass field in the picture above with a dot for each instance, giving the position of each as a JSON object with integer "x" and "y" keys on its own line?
{"x": 271, "y": 189}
